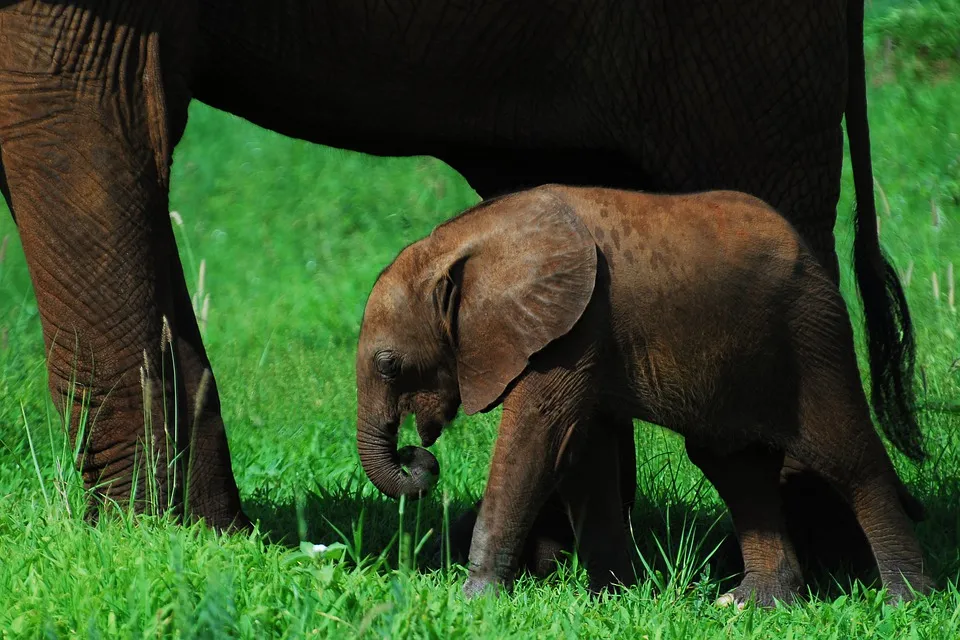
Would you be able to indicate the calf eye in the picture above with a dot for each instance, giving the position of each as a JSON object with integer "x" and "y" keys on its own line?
{"x": 388, "y": 364}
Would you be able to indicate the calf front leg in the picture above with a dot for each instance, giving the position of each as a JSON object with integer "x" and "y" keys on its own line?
{"x": 551, "y": 535}
{"x": 544, "y": 422}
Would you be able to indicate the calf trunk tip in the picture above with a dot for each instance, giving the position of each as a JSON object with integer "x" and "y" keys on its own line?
{"x": 423, "y": 470}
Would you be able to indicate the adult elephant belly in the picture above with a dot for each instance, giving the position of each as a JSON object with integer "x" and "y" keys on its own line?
{"x": 422, "y": 78}
{"x": 750, "y": 96}
{"x": 672, "y": 96}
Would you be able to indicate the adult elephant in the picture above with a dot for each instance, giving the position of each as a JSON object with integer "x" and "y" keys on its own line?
{"x": 666, "y": 96}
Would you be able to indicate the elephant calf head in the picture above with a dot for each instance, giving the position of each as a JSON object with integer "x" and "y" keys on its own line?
{"x": 455, "y": 318}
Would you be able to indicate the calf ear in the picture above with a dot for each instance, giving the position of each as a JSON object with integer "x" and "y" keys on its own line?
{"x": 521, "y": 280}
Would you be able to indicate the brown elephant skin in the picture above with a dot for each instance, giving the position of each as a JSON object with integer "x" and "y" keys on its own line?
{"x": 581, "y": 309}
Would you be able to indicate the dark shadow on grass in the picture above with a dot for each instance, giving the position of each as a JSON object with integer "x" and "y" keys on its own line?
{"x": 320, "y": 515}
{"x": 830, "y": 544}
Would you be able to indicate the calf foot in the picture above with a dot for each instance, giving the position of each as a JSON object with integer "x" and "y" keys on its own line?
{"x": 483, "y": 585}
{"x": 550, "y": 538}
{"x": 899, "y": 591}
{"x": 764, "y": 591}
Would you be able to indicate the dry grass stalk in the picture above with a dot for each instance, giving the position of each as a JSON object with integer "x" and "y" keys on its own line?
{"x": 908, "y": 275}
{"x": 201, "y": 397}
{"x": 950, "y": 288}
{"x": 166, "y": 336}
{"x": 204, "y": 313}
{"x": 883, "y": 197}
{"x": 934, "y": 214}
{"x": 936, "y": 286}
{"x": 201, "y": 277}
{"x": 145, "y": 387}
{"x": 3, "y": 248}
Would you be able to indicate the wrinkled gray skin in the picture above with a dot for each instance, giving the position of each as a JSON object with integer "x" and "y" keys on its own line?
{"x": 582, "y": 309}
{"x": 667, "y": 96}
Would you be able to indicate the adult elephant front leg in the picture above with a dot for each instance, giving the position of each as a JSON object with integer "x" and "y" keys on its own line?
{"x": 210, "y": 491}
{"x": 88, "y": 120}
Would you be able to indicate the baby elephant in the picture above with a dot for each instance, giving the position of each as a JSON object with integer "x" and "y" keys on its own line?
{"x": 580, "y": 309}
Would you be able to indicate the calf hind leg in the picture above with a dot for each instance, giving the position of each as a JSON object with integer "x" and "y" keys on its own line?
{"x": 837, "y": 440}
{"x": 748, "y": 482}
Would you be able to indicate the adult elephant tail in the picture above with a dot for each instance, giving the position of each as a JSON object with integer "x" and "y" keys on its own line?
{"x": 889, "y": 329}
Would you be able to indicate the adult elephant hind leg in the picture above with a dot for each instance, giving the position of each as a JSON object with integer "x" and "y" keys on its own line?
{"x": 4, "y": 187}
{"x": 626, "y": 463}
{"x": 86, "y": 152}
{"x": 748, "y": 482}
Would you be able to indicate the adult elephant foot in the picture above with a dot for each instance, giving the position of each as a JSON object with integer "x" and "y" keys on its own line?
{"x": 87, "y": 175}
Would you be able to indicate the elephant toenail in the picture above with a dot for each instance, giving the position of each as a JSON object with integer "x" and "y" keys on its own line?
{"x": 728, "y": 599}
{"x": 725, "y": 600}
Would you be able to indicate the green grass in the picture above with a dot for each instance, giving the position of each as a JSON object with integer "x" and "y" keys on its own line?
{"x": 292, "y": 236}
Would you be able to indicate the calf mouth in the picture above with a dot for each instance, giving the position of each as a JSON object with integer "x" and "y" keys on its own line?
{"x": 429, "y": 430}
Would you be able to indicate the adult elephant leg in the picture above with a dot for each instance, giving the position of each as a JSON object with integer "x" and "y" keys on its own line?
{"x": 627, "y": 465}
{"x": 210, "y": 491}
{"x": 92, "y": 100}
{"x": 4, "y": 187}
{"x": 748, "y": 482}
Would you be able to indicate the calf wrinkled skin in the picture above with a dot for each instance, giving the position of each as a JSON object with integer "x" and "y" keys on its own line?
{"x": 581, "y": 309}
